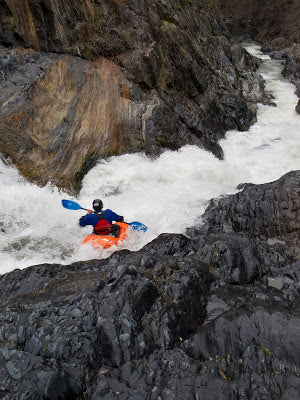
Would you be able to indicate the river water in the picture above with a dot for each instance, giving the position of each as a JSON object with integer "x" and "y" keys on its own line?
{"x": 168, "y": 194}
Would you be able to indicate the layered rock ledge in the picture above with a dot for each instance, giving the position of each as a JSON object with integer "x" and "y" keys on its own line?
{"x": 213, "y": 314}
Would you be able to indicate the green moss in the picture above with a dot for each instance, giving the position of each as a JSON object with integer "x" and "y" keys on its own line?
{"x": 224, "y": 376}
{"x": 164, "y": 141}
{"x": 178, "y": 5}
{"x": 85, "y": 394}
{"x": 164, "y": 72}
{"x": 89, "y": 52}
{"x": 165, "y": 25}
{"x": 266, "y": 350}
{"x": 88, "y": 163}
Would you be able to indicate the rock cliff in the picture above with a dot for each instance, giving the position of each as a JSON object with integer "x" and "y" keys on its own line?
{"x": 81, "y": 80}
{"x": 211, "y": 315}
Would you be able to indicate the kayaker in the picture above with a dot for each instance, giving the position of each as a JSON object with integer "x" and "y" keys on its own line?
{"x": 102, "y": 221}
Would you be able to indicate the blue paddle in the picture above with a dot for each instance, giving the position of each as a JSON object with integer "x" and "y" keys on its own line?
{"x": 72, "y": 205}
{"x": 138, "y": 226}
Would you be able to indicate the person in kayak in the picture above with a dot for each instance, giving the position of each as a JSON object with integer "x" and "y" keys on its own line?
{"x": 102, "y": 221}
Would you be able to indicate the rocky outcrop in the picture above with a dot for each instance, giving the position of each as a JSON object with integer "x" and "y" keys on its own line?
{"x": 268, "y": 211}
{"x": 60, "y": 113}
{"x": 83, "y": 80}
{"x": 214, "y": 314}
{"x": 255, "y": 232}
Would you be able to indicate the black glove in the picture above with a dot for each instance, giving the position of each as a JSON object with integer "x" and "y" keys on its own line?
{"x": 121, "y": 219}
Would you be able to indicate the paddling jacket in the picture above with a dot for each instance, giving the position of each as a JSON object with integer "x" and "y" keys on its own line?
{"x": 101, "y": 221}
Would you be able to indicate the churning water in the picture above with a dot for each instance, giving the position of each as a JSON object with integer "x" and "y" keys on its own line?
{"x": 168, "y": 194}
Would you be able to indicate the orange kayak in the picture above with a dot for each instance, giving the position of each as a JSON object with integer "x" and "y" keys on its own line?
{"x": 105, "y": 242}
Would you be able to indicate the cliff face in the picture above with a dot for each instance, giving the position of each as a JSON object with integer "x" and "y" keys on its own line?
{"x": 212, "y": 315}
{"x": 82, "y": 80}
{"x": 64, "y": 113}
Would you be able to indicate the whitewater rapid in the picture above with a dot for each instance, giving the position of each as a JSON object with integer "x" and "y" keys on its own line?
{"x": 167, "y": 194}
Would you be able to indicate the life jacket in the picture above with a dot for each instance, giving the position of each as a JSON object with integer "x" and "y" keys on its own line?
{"x": 102, "y": 227}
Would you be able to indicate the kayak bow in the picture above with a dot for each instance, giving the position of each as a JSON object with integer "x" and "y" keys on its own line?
{"x": 106, "y": 241}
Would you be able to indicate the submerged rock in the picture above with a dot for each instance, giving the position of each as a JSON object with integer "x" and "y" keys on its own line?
{"x": 214, "y": 314}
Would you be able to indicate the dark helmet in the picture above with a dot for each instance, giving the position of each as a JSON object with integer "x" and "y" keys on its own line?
{"x": 97, "y": 205}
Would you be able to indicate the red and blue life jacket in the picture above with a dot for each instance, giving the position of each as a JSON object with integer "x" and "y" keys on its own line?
{"x": 102, "y": 227}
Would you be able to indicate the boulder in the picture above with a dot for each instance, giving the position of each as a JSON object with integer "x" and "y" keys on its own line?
{"x": 269, "y": 210}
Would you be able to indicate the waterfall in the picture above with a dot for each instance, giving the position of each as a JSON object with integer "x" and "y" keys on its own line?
{"x": 168, "y": 194}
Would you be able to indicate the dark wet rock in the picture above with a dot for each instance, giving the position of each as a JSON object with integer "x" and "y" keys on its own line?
{"x": 253, "y": 341}
{"x": 247, "y": 314}
{"x": 290, "y": 57}
{"x": 211, "y": 315}
{"x": 32, "y": 377}
{"x": 291, "y": 70}
{"x": 95, "y": 319}
{"x": 232, "y": 257}
{"x": 269, "y": 210}
{"x": 257, "y": 229}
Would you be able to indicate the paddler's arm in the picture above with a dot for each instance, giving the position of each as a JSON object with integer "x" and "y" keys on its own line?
{"x": 111, "y": 216}
{"x": 88, "y": 219}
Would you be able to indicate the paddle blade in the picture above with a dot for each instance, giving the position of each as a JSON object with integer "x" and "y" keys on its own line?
{"x": 138, "y": 226}
{"x": 71, "y": 205}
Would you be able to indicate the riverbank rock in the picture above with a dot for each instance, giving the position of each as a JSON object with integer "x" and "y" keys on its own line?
{"x": 80, "y": 81}
{"x": 263, "y": 217}
{"x": 269, "y": 211}
{"x": 291, "y": 69}
{"x": 212, "y": 314}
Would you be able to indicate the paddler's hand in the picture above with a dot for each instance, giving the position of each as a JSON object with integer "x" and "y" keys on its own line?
{"x": 90, "y": 211}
